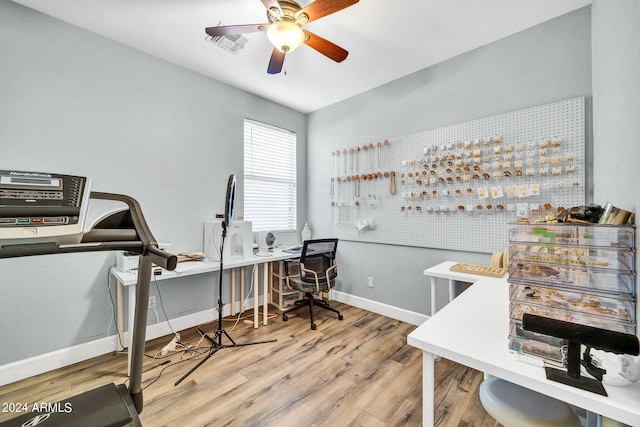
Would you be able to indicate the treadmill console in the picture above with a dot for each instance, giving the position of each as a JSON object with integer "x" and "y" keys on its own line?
{"x": 42, "y": 207}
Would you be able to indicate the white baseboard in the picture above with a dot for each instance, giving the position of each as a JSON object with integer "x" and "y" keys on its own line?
{"x": 21, "y": 369}
{"x": 401, "y": 314}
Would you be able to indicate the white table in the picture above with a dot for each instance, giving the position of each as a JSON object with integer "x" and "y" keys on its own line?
{"x": 473, "y": 330}
{"x": 441, "y": 271}
{"x": 129, "y": 279}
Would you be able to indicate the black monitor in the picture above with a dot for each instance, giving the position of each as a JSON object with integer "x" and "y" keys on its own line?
{"x": 230, "y": 199}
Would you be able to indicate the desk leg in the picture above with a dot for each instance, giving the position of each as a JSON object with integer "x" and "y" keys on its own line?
{"x": 242, "y": 289}
{"x": 434, "y": 307}
{"x": 120, "y": 315}
{"x": 233, "y": 291}
{"x": 265, "y": 292}
{"x": 452, "y": 291}
{"x": 131, "y": 314}
{"x": 428, "y": 389}
{"x": 256, "y": 303}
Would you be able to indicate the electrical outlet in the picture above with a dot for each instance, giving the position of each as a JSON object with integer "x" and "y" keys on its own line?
{"x": 370, "y": 284}
{"x": 152, "y": 302}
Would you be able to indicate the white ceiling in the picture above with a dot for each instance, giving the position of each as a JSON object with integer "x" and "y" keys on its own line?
{"x": 386, "y": 40}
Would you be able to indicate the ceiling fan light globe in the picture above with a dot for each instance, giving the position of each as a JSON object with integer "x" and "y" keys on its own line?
{"x": 285, "y": 36}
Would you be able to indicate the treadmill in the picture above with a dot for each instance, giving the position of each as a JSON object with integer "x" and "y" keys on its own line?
{"x": 47, "y": 213}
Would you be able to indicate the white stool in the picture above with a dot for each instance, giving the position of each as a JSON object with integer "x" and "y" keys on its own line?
{"x": 515, "y": 406}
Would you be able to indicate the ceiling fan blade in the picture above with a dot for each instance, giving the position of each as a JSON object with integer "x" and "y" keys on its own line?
{"x": 325, "y": 47}
{"x": 320, "y": 8}
{"x": 272, "y": 4}
{"x": 276, "y": 62}
{"x": 226, "y": 30}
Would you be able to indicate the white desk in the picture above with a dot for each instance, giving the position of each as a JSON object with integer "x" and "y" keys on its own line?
{"x": 472, "y": 330}
{"x": 128, "y": 279}
{"x": 441, "y": 271}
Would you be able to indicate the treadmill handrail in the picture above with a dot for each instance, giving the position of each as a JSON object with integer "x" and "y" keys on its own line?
{"x": 138, "y": 240}
{"x": 149, "y": 244}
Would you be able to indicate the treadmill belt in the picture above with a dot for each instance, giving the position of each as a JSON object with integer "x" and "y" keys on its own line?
{"x": 106, "y": 406}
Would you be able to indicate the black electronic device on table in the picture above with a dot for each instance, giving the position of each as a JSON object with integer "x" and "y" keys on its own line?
{"x": 577, "y": 335}
{"x": 45, "y": 213}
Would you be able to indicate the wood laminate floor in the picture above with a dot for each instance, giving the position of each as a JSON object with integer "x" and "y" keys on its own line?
{"x": 355, "y": 372}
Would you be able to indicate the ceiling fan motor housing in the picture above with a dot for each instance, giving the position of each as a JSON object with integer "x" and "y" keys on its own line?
{"x": 285, "y": 29}
{"x": 289, "y": 13}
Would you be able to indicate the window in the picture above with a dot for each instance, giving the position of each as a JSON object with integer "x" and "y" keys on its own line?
{"x": 269, "y": 177}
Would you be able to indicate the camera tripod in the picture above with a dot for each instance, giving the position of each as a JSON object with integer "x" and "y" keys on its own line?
{"x": 216, "y": 340}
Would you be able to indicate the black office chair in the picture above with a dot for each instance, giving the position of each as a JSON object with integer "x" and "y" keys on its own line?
{"x": 318, "y": 272}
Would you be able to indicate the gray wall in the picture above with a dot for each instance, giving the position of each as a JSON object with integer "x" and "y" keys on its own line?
{"x": 547, "y": 63}
{"x": 74, "y": 102}
{"x": 616, "y": 103}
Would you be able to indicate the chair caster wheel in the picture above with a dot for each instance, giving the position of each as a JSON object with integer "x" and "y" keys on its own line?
{"x": 340, "y": 317}
{"x": 285, "y": 317}
{"x": 313, "y": 326}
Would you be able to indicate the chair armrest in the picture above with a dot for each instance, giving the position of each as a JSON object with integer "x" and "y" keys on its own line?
{"x": 328, "y": 273}
{"x": 315, "y": 276}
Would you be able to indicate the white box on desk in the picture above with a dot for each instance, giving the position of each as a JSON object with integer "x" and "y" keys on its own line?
{"x": 126, "y": 261}
{"x": 237, "y": 244}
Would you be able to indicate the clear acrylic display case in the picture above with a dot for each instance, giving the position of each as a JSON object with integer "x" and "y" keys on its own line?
{"x": 605, "y": 258}
{"x": 580, "y": 273}
{"x": 563, "y": 276}
{"x": 517, "y": 309}
{"x": 621, "y": 308}
{"x": 523, "y": 341}
{"x": 615, "y": 236}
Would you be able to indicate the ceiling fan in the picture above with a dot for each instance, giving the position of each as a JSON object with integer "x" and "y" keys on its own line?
{"x": 284, "y": 29}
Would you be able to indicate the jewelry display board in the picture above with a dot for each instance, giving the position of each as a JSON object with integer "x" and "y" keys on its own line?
{"x": 458, "y": 186}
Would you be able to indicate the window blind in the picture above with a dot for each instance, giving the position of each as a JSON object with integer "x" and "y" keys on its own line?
{"x": 269, "y": 177}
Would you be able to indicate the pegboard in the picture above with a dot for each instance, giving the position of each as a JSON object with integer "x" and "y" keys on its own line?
{"x": 458, "y": 187}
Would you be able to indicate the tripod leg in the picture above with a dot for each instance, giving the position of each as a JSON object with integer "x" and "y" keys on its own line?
{"x": 216, "y": 340}
{"x": 254, "y": 342}
{"x": 211, "y": 352}
{"x": 233, "y": 343}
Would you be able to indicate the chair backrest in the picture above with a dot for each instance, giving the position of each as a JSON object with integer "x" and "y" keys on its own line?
{"x": 318, "y": 255}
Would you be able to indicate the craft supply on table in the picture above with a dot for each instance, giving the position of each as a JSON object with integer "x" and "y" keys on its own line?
{"x": 480, "y": 270}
